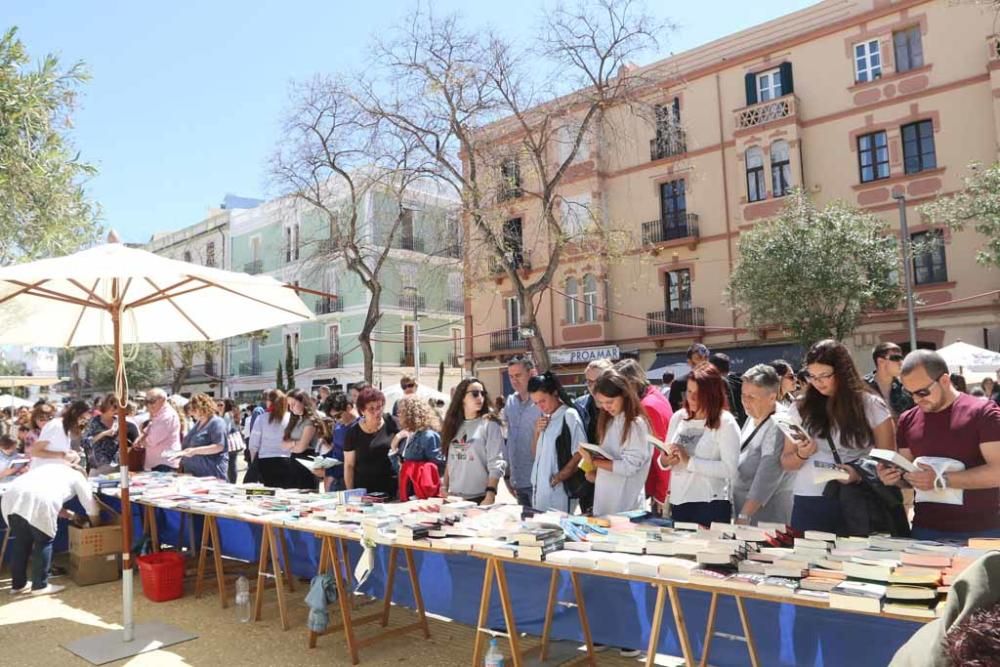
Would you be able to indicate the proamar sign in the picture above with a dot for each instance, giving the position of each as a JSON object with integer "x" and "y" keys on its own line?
{"x": 584, "y": 355}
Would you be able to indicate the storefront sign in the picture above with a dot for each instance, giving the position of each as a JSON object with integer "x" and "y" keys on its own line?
{"x": 584, "y": 355}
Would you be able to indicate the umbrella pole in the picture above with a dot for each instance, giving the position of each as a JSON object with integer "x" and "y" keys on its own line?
{"x": 116, "y": 325}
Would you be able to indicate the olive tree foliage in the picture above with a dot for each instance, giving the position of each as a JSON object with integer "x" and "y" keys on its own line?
{"x": 332, "y": 155}
{"x": 143, "y": 367}
{"x": 976, "y": 204}
{"x": 815, "y": 271}
{"x": 504, "y": 124}
{"x": 44, "y": 210}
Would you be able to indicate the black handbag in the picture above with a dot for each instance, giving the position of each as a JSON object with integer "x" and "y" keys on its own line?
{"x": 577, "y": 485}
{"x": 869, "y": 506}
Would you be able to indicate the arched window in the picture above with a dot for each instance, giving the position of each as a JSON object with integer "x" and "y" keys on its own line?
{"x": 781, "y": 169}
{"x": 589, "y": 298}
{"x": 756, "y": 190}
{"x": 572, "y": 311}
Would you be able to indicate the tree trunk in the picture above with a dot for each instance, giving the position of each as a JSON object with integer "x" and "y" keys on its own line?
{"x": 365, "y": 337}
{"x": 180, "y": 375}
{"x": 536, "y": 342}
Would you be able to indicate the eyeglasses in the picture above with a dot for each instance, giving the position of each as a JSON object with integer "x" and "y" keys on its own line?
{"x": 409, "y": 386}
{"x": 926, "y": 391}
{"x": 894, "y": 357}
{"x": 820, "y": 377}
{"x": 475, "y": 393}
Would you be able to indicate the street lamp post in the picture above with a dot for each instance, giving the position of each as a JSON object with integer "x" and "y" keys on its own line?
{"x": 907, "y": 270}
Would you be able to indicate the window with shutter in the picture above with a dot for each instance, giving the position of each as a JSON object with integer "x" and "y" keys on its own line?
{"x": 781, "y": 168}
{"x": 769, "y": 85}
{"x": 908, "y": 49}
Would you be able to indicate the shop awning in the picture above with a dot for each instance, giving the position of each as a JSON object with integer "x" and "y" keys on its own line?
{"x": 741, "y": 359}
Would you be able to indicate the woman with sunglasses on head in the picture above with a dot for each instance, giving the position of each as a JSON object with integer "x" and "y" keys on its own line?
{"x": 841, "y": 414}
{"x": 789, "y": 384}
{"x": 555, "y": 443}
{"x": 620, "y": 476}
{"x": 267, "y": 439}
{"x": 704, "y": 441}
{"x": 472, "y": 443}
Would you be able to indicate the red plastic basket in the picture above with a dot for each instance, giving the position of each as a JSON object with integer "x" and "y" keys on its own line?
{"x": 162, "y": 575}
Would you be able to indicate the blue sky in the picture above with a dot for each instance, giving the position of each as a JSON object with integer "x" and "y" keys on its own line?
{"x": 186, "y": 97}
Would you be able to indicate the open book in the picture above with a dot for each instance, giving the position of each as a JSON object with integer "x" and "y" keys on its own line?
{"x": 791, "y": 426}
{"x": 658, "y": 444}
{"x": 594, "y": 450}
{"x": 894, "y": 458}
{"x": 824, "y": 472}
{"x": 319, "y": 463}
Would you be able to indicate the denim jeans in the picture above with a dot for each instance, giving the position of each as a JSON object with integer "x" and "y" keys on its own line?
{"x": 33, "y": 543}
{"x": 939, "y": 535}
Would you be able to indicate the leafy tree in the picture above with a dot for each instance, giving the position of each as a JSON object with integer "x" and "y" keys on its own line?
{"x": 814, "y": 272}
{"x": 279, "y": 381}
{"x": 43, "y": 208}
{"x": 977, "y": 203}
{"x": 289, "y": 367}
{"x": 144, "y": 371}
{"x": 179, "y": 360}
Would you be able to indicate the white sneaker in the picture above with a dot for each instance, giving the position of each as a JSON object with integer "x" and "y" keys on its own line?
{"x": 48, "y": 590}
{"x": 21, "y": 591}
{"x": 629, "y": 652}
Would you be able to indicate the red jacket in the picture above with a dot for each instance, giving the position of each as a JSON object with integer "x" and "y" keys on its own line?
{"x": 420, "y": 477}
{"x": 658, "y": 414}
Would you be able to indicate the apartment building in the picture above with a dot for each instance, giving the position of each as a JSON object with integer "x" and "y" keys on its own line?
{"x": 422, "y": 301}
{"x": 853, "y": 100}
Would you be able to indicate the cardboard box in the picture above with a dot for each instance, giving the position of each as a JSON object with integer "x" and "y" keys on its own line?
{"x": 87, "y": 570}
{"x": 100, "y": 541}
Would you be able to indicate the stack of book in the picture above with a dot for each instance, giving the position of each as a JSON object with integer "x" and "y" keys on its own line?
{"x": 534, "y": 542}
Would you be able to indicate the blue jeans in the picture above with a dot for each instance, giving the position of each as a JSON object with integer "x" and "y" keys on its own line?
{"x": 33, "y": 543}
{"x": 939, "y": 535}
{"x": 817, "y": 513}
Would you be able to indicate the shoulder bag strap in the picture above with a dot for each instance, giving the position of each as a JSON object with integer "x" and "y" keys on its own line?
{"x": 754, "y": 432}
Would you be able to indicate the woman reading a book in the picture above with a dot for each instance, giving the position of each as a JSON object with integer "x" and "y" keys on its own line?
{"x": 302, "y": 435}
{"x": 842, "y": 419}
{"x": 555, "y": 444}
{"x": 473, "y": 445}
{"x": 204, "y": 452}
{"x": 619, "y": 475}
{"x": 704, "y": 450}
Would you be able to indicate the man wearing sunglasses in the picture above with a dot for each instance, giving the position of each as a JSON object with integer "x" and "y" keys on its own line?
{"x": 888, "y": 359}
{"x": 950, "y": 424}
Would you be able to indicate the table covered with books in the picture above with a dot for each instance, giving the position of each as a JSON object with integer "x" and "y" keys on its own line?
{"x": 618, "y": 580}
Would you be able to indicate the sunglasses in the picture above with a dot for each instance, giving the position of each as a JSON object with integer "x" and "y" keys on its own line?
{"x": 409, "y": 386}
{"x": 894, "y": 357}
{"x": 475, "y": 393}
{"x": 926, "y": 391}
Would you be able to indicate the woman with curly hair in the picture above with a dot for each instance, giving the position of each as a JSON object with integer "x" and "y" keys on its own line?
{"x": 844, "y": 420}
{"x": 473, "y": 445}
{"x": 204, "y": 448}
{"x": 418, "y": 461}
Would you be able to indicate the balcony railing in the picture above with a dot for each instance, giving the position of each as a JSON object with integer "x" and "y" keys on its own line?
{"x": 327, "y": 246}
{"x": 406, "y": 358}
{"x": 668, "y": 144}
{"x": 455, "y": 306}
{"x": 329, "y": 360}
{"x": 507, "y": 339}
{"x": 520, "y": 260}
{"x": 665, "y": 323}
{"x": 249, "y": 368}
{"x": 455, "y": 360}
{"x": 254, "y": 267}
{"x": 407, "y": 301}
{"x": 410, "y": 243}
{"x": 680, "y": 226}
{"x": 330, "y": 304}
{"x": 766, "y": 112}
{"x": 508, "y": 192}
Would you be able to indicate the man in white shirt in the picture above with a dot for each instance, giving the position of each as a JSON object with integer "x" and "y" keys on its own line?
{"x": 31, "y": 507}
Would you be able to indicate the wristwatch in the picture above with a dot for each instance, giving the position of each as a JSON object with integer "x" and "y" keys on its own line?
{"x": 491, "y": 489}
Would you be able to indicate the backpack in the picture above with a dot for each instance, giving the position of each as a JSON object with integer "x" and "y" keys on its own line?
{"x": 577, "y": 485}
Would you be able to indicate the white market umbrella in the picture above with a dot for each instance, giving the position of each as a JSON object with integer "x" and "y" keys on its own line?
{"x": 10, "y": 401}
{"x": 115, "y": 295}
{"x": 395, "y": 392}
{"x": 965, "y": 357}
{"x": 29, "y": 380}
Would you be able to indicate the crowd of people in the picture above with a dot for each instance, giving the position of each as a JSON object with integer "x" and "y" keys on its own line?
{"x": 702, "y": 448}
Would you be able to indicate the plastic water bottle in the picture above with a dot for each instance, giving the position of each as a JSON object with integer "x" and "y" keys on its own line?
{"x": 243, "y": 599}
{"x": 494, "y": 658}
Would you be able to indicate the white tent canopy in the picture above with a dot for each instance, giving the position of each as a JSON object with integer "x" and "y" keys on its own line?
{"x": 963, "y": 357}
{"x": 64, "y": 301}
{"x": 9, "y": 401}
{"x": 395, "y": 392}
{"x": 29, "y": 380}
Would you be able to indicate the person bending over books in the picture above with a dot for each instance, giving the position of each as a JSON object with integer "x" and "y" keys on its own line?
{"x": 366, "y": 446}
{"x": 619, "y": 475}
{"x": 473, "y": 445}
{"x": 955, "y": 431}
{"x": 704, "y": 445}
{"x": 415, "y": 452}
{"x": 842, "y": 419}
{"x": 555, "y": 446}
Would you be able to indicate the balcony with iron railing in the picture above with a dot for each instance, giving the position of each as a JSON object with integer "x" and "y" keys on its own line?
{"x": 246, "y": 368}
{"x": 406, "y": 358}
{"x": 455, "y": 360}
{"x": 409, "y": 243}
{"x": 507, "y": 339}
{"x": 456, "y": 306}
{"x": 520, "y": 260}
{"x": 327, "y": 360}
{"x": 672, "y": 228}
{"x": 329, "y": 304}
{"x": 254, "y": 267}
{"x": 763, "y": 113}
{"x": 671, "y": 322}
{"x": 668, "y": 144}
{"x": 408, "y": 301}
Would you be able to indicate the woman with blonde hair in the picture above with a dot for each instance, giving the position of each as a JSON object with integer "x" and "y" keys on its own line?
{"x": 204, "y": 448}
{"x": 415, "y": 451}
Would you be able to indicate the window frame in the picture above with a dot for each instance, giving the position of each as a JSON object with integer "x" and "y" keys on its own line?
{"x": 874, "y": 150}
{"x": 572, "y": 310}
{"x": 772, "y": 91}
{"x": 904, "y": 52}
{"x": 781, "y": 170}
{"x": 589, "y": 298}
{"x": 869, "y": 71}
{"x": 677, "y": 290}
{"x": 934, "y": 262}
{"x": 756, "y": 174}
{"x": 926, "y": 159}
